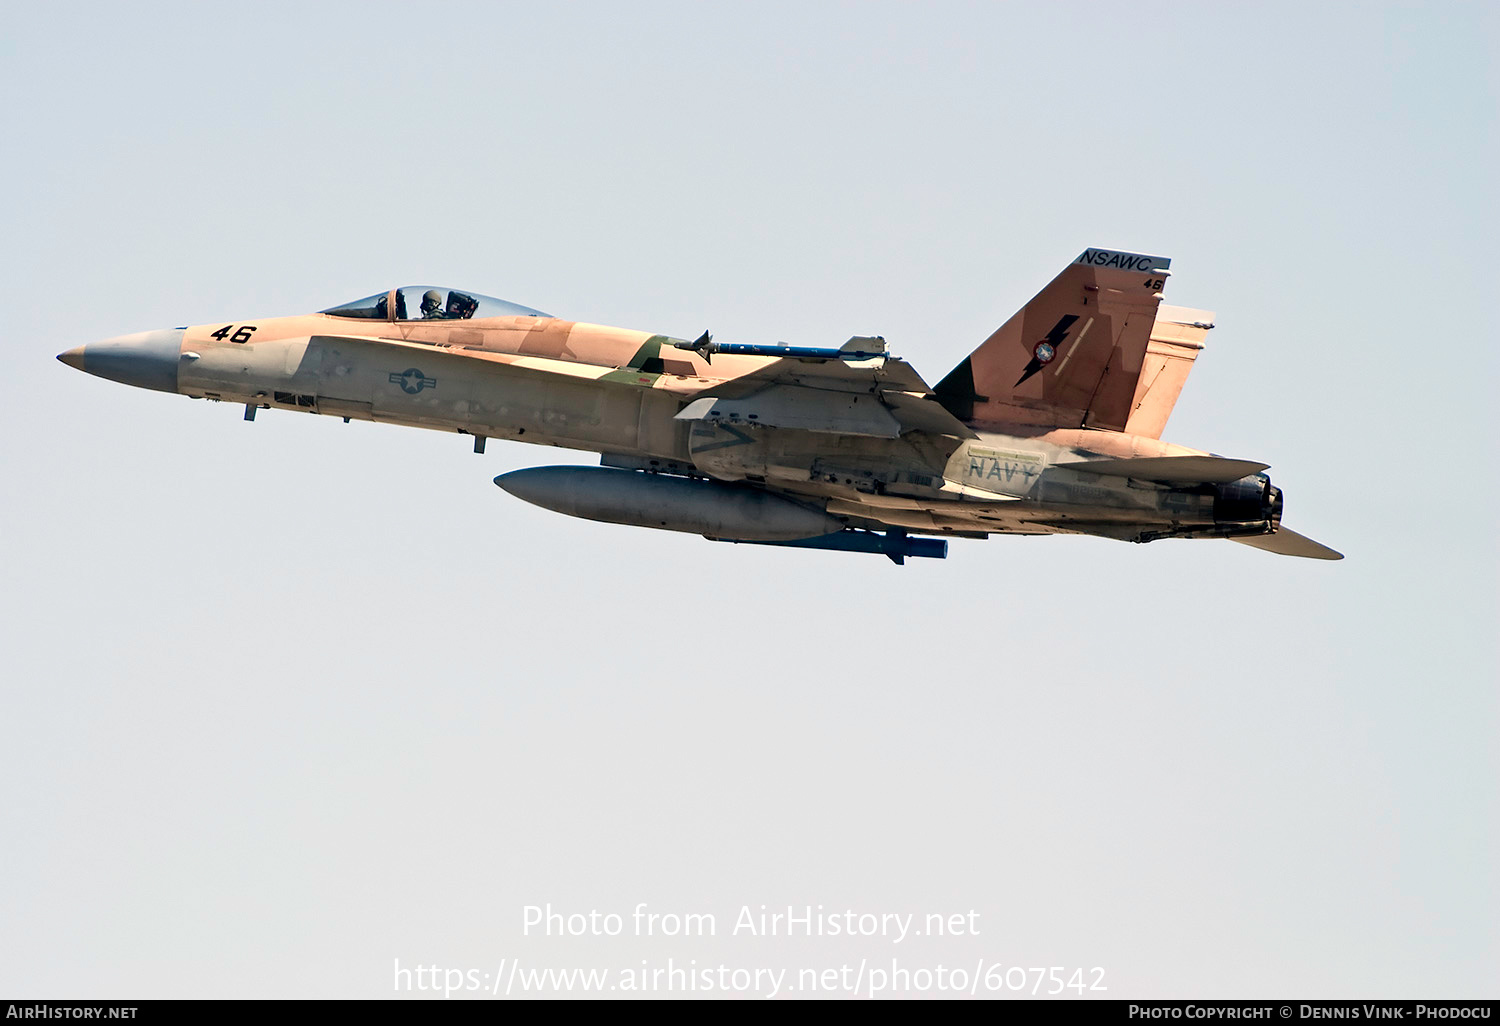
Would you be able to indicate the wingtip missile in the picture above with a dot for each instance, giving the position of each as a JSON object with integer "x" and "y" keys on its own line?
{"x": 703, "y": 345}
{"x": 856, "y": 350}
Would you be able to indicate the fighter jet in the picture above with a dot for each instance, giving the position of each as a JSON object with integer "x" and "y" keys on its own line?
{"x": 1051, "y": 426}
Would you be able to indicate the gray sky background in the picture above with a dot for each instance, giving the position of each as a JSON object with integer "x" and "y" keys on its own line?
{"x": 286, "y": 701}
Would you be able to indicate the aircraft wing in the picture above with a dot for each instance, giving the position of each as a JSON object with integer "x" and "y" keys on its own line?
{"x": 880, "y": 374}
{"x": 882, "y": 397}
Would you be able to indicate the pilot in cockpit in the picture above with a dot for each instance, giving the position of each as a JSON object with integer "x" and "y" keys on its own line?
{"x": 432, "y": 306}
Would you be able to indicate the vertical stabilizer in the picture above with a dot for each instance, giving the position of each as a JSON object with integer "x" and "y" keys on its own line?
{"x": 1072, "y": 356}
{"x": 1176, "y": 339}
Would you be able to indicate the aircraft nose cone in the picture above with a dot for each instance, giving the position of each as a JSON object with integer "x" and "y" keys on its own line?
{"x": 147, "y": 359}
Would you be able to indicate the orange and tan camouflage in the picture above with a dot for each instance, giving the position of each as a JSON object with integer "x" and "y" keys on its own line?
{"x": 1051, "y": 426}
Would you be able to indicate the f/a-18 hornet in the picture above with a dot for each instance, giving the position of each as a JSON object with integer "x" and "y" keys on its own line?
{"x": 1051, "y": 426}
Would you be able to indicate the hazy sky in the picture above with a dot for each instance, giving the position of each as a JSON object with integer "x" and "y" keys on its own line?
{"x": 289, "y": 701}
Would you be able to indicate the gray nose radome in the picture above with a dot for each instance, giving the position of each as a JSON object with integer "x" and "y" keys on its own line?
{"x": 147, "y": 359}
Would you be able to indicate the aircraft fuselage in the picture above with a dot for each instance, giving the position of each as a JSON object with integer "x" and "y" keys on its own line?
{"x": 618, "y": 392}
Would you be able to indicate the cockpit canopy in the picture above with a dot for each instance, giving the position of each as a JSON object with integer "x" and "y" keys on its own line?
{"x": 429, "y": 303}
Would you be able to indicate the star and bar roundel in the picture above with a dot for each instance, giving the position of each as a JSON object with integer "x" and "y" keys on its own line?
{"x": 412, "y": 381}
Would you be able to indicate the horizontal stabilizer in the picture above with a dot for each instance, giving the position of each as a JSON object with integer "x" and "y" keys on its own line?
{"x": 1290, "y": 543}
{"x": 1172, "y": 469}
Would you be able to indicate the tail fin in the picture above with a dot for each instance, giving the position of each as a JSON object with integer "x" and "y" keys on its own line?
{"x": 1176, "y": 339}
{"x": 1071, "y": 357}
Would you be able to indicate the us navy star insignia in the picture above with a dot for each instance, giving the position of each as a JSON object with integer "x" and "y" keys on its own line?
{"x": 413, "y": 381}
